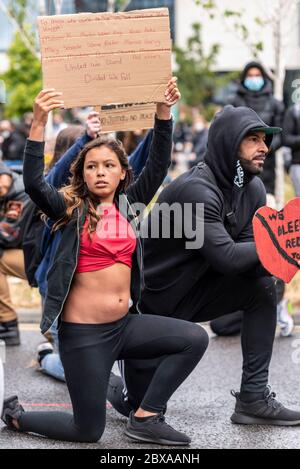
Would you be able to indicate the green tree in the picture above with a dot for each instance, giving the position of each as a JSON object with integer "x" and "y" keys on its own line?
{"x": 197, "y": 80}
{"x": 235, "y": 21}
{"x": 22, "y": 79}
{"x": 17, "y": 11}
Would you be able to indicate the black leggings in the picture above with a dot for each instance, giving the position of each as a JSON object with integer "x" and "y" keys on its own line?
{"x": 88, "y": 353}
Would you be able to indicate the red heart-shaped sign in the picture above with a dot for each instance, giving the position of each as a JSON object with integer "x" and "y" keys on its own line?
{"x": 277, "y": 238}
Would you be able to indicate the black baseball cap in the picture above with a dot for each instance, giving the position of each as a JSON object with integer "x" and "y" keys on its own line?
{"x": 267, "y": 130}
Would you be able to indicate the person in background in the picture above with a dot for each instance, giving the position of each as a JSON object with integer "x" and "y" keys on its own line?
{"x": 13, "y": 201}
{"x": 58, "y": 123}
{"x": 182, "y": 131}
{"x": 199, "y": 138}
{"x": 66, "y": 139}
{"x": 12, "y": 142}
{"x": 255, "y": 91}
{"x": 26, "y": 123}
{"x": 131, "y": 139}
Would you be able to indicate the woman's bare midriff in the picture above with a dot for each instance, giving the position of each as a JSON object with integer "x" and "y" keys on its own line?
{"x": 98, "y": 297}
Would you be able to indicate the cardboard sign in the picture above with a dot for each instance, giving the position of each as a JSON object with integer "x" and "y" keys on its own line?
{"x": 127, "y": 117}
{"x": 277, "y": 238}
{"x": 107, "y": 58}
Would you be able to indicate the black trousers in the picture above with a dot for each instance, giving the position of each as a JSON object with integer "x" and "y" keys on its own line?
{"x": 231, "y": 324}
{"x": 88, "y": 353}
{"x": 214, "y": 296}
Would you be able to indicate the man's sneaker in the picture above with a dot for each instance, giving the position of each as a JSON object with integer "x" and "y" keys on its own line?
{"x": 12, "y": 410}
{"x": 43, "y": 349}
{"x": 284, "y": 319}
{"x": 155, "y": 430}
{"x": 116, "y": 397}
{"x": 9, "y": 332}
{"x": 267, "y": 411}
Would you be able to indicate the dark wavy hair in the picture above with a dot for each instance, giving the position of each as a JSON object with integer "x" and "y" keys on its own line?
{"x": 76, "y": 194}
{"x": 64, "y": 140}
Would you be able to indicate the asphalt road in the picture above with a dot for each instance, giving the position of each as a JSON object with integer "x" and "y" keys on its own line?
{"x": 201, "y": 407}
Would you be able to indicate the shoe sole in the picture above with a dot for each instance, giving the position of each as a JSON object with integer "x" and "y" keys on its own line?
{"x": 6, "y": 403}
{"x": 156, "y": 442}
{"x": 242, "y": 419}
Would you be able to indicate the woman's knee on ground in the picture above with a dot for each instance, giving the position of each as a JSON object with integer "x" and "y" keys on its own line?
{"x": 91, "y": 434}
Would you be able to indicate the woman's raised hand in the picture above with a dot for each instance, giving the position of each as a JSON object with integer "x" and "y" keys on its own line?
{"x": 46, "y": 101}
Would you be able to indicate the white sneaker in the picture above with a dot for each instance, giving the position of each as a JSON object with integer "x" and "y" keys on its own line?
{"x": 284, "y": 319}
{"x": 43, "y": 349}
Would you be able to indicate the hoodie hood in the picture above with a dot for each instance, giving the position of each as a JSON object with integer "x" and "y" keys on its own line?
{"x": 226, "y": 133}
{"x": 254, "y": 65}
{"x": 17, "y": 190}
{"x": 5, "y": 169}
{"x": 266, "y": 89}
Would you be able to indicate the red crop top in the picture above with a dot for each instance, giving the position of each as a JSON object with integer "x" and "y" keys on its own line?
{"x": 113, "y": 241}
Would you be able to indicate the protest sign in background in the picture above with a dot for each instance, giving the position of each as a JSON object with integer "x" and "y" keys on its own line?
{"x": 126, "y": 117}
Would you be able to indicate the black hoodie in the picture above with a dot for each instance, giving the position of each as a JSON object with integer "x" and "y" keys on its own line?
{"x": 171, "y": 269}
{"x": 269, "y": 109}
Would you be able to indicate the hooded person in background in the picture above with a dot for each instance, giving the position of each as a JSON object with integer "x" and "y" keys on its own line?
{"x": 12, "y": 202}
{"x": 220, "y": 275}
{"x": 255, "y": 91}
